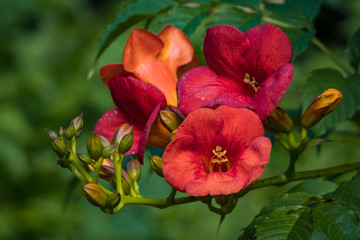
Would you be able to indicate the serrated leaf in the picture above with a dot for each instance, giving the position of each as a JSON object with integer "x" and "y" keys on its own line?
{"x": 292, "y": 223}
{"x": 255, "y": 4}
{"x": 336, "y": 221}
{"x": 353, "y": 50}
{"x": 299, "y": 40}
{"x": 314, "y": 186}
{"x": 300, "y": 14}
{"x": 183, "y": 17}
{"x": 349, "y": 192}
{"x": 323, "y": 79}
{"x": 134, "y": 13}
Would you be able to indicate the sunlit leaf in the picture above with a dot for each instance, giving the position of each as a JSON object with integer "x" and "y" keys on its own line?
{"x": 336, "y": 221}
{"x": 322, "y": 79}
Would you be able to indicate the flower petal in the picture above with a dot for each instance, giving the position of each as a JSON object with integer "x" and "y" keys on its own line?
{"x": 270, "y": 49}
{"x": 109, "y": 71}
{"x": 141, "y": 58}
{"x": 224, "y": 48}
{"x": 136, "y": 98}
{"x": 160, "y": 136}
{"x": 182, "y": 161}
{"x": 177, "y": 49}
{"x": 111, "y": 120}
{"x": 272, "y": 90}
{"x": 248, "y": 168}
{"x": 199, "y": 85}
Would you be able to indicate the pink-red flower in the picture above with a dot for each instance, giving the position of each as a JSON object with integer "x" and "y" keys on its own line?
{"x": 249, "y": 70}
{"x": 145, "y": 83}
{"x": 216, "y": 152}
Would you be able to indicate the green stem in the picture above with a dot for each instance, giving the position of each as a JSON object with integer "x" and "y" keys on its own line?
{"x": 171, "y": 196}
{"x": 325, "y": 50}
{"x": 119, "y": 158}
{"x": 97, "y": 168}
{"x": 272, "y": 181}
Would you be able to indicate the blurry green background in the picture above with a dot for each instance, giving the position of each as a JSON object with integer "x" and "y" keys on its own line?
{"x": 46, "y": 50}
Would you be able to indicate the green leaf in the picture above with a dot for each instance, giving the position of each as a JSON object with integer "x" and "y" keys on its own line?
{"x": 314, "y": 186}
{"x": 322, "y": 79}
{"x": 183, "y": 17}
{"x": 336, "y": 221}
{"x": 299, "y": 40}
{"x": 292, "y": 223}
{"x": 255, "y": 4}
{"x": 349, "y": 192}
{"x": 230, "y": 15}
{"x": 353, "y": 50}
{"x": 296, "y": 13}
{"x": 134, "y": 13}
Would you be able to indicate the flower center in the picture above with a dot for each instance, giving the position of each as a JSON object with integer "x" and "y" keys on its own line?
{"x": 219, "y": 162}
{"x": 253, "y": 84}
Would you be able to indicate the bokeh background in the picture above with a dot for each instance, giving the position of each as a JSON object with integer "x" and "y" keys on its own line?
{"x": 46, "y": 50}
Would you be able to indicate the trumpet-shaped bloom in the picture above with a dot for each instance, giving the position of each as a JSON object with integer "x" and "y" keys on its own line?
{"x": 144, "y": 84}
{"x": 216, "y": 152}
{"x": 249, "y": 70}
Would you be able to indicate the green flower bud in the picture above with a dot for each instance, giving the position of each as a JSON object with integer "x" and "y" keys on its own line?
{"x": 108, "y": 150}
{"x": 126, "y": 143}
{"x": 84, "y": 158}
{"x": 95, "y": 195}
{"x": 133, "y": 169}
{"x": 78, "y": 125}
{"x": 95, "y": 147}
{"x": 125, "y": 184}
{"x": 113, "y": 200}
{"x": 170, "y": 119}
{"x": 278, "y": 121}
{"x": 62, "y": 131}
{"x": 104, "y": 141}
{"x": 59, "y": 146}
{"x": 156, "y": 164}
{"x": 51, "y": 133}
{"x": 64, "y": 162}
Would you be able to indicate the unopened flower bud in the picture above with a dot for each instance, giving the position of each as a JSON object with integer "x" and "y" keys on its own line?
{"x": 170, "y": 119}
{"x": 95, "y": 147}
{"x": 59, "y": 146}
{"x": 278, "y": 121}
{"x": 64, "y": 162}
{"x": 124, "y": 137}
{"x": 108, "y": 150}
{"x": 78, "y": 125}
{"x": 126, "y": 143}
{"x": 95, "y": 195}
{"x": 84, "y": 158}
{"x": 156, "y": 164}
{"x": 320, "y": 107}
{"x": 133, "y": 169}
{"x": 104, "y": 140}
{"x": 51, "y": 133}
{"x": 125, "y": 181}
{"x": 113, "y": 200}
{"x": 62, "y": 131}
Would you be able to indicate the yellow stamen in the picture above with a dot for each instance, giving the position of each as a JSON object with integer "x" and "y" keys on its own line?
{"x": 219, "y": 158}
{"x": 255, "y": 85}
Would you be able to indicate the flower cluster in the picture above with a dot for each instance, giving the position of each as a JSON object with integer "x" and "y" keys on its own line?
{"x": 220, "y": 147}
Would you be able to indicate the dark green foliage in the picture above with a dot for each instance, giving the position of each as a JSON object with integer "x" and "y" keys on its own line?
{"x": 353, "y": 50}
